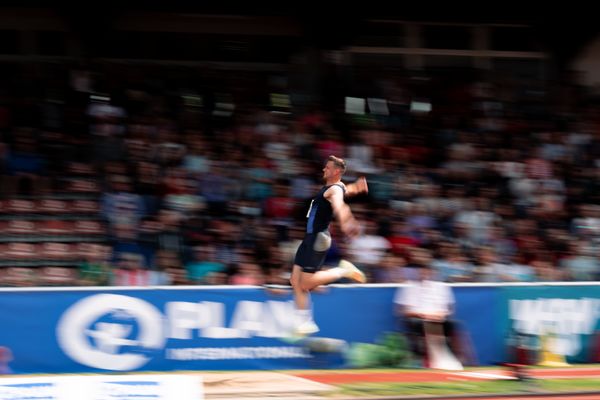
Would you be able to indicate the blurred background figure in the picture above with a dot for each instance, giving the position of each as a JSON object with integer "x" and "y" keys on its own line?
{"x": 425, "y": 300}
{"x": 5, "y": 358}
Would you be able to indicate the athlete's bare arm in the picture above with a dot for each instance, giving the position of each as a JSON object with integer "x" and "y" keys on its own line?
{"x": 358, "y": 187}
{"x": 335, "y": 195}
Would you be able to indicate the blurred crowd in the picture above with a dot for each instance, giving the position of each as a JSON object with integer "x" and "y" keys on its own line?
{"x": 498, "y": 182}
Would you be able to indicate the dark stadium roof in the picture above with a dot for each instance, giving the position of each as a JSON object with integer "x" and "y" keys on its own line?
{"x": 564, "y": 30}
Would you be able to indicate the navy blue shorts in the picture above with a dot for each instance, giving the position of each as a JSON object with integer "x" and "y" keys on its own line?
{"x": 307, "y": 257}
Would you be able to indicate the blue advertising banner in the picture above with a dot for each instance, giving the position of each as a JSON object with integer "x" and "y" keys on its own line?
{"x": 476, "y": 313}
{"x": 561, "y": 322}
{"x": 216, "y": 328}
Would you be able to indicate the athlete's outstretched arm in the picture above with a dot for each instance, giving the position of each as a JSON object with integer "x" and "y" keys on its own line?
{"x": 335, "y": 195}
{"x": 358, "y": 187}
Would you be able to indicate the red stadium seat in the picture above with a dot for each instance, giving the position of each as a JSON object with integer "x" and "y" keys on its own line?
{"x": 20, "y": 227}
{"x": 80, "y": 185}
{"x": 20, "y": 251}
{"x": 77, "y": 168}
{"x": 19, "y": 277}
{"x": 85, "y": 206}
{"x": 56, "y": 227}
{"x": 21, "y": 206}
{"x": 82, "y": 250}
{"x": 52, "y": 206}
{"x": 57, "y": 251}
{"x": 89, "y": 228}
{"x": 57, "y": 276}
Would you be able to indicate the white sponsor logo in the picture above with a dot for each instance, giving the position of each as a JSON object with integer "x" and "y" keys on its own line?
{"x": 107, "y": 387}
{"x": 103, "y": 344}
{"x": 116, "y": 332}
{"x": 25, "y": 391}
{"x": 564, "y": 320}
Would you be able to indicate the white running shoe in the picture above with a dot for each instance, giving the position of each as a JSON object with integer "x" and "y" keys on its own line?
{"x": 306, "y": 328}
{"x": 352, "y": 272}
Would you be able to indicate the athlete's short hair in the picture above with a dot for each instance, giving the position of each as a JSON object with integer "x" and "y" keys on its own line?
{"x": 338, "y": 162}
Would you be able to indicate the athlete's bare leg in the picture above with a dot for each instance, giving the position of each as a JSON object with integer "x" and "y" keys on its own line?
{"x": 303, "y": 282}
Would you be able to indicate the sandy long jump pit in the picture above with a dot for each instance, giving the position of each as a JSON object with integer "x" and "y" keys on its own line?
{"x": 260, "y": 384}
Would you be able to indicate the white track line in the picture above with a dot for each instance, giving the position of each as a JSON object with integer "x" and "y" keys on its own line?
{"x": 482, "y": 375}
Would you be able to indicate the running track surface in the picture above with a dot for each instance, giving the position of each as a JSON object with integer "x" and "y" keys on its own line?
{"x": 548, "y": 397}
{"x": 342, "y": 377}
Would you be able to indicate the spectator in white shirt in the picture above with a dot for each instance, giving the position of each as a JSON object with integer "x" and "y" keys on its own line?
{"x": 424, "y": 300}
